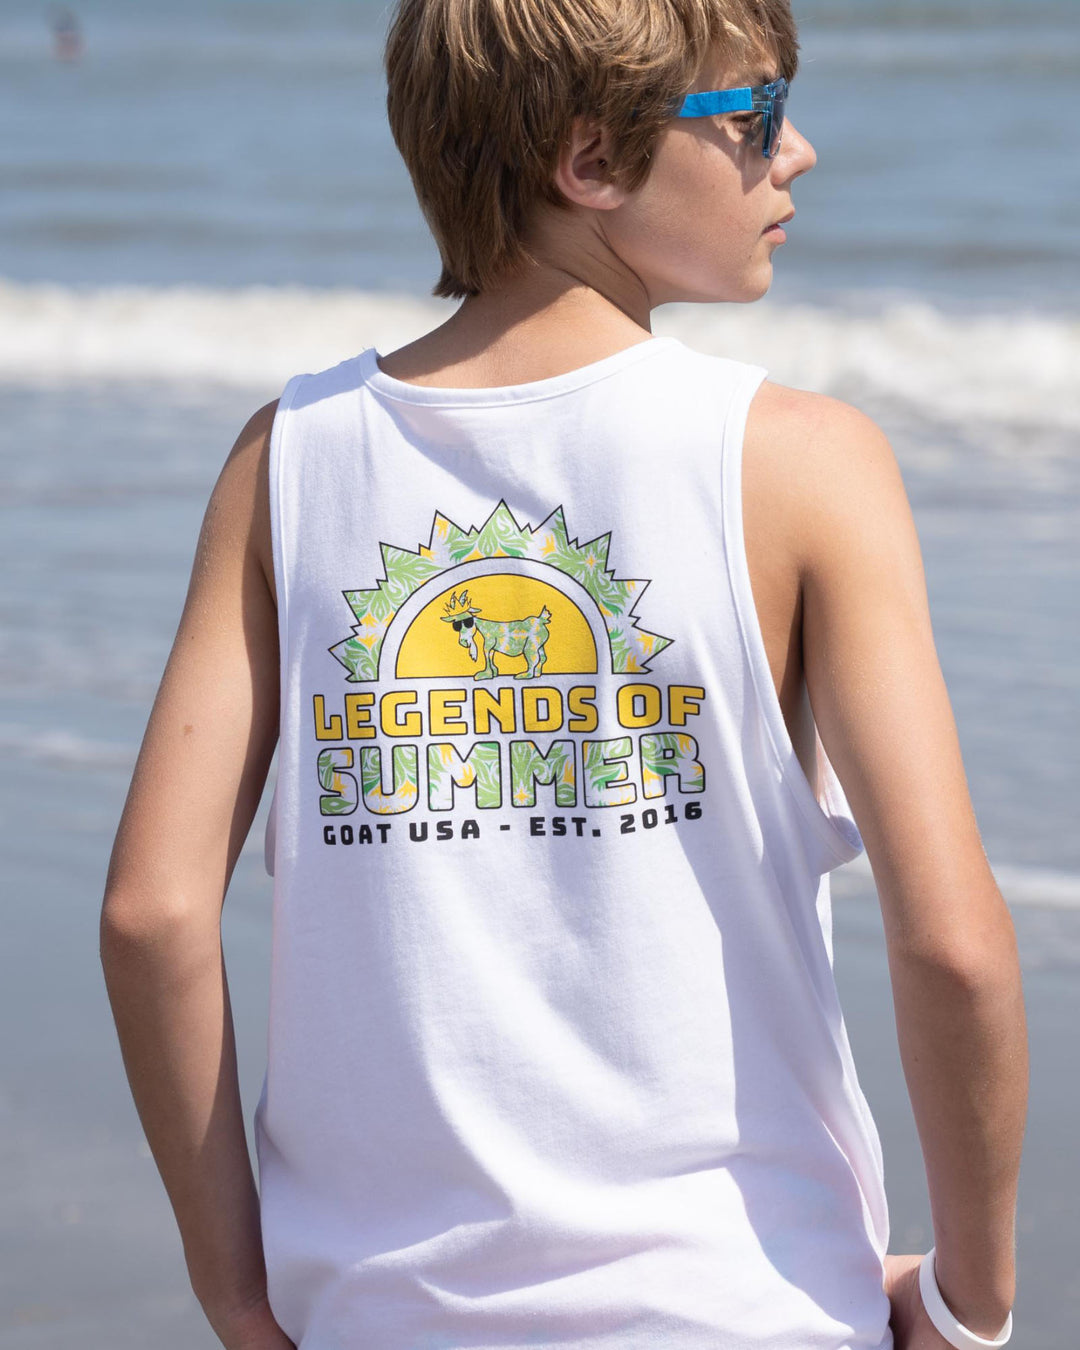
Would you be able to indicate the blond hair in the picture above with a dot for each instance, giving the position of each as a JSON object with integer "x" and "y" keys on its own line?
{"x": 482, "y": 95}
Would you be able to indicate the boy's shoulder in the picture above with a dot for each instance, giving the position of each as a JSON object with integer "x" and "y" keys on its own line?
{"x": 817, "y": 469}
{"x": 810, "y": 420}
{"x": 242, "y": 490}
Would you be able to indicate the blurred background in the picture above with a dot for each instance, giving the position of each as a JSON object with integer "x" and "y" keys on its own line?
{"x": 198, "y": 200}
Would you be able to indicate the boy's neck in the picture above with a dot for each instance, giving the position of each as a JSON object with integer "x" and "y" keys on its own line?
{"x": 545, "y": 322}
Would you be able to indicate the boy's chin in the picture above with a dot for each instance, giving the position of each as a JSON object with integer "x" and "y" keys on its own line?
{"x": 759, "y": 280}
{"x": 754, "y": 287}
{"x": 762, "y": 288}
{"x": 745, "y": 292}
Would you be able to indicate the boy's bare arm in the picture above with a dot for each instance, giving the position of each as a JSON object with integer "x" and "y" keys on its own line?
{"x": 195, "y": 789}
{"x": 885, "y": 719}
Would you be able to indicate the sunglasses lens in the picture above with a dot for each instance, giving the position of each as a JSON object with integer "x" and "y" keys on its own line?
{"x": 775, "y": 124}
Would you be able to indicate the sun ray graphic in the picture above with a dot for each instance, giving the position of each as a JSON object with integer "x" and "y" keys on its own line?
{"x": 500, "y": 536}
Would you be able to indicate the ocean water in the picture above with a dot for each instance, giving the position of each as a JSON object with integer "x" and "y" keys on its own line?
{"x": 209, "y": 201}
{"x": 238, "y": 142}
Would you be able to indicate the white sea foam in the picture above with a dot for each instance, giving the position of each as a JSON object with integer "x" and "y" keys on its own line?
{"x": 1010, "y": 368}
{"x": 58, "y": 746}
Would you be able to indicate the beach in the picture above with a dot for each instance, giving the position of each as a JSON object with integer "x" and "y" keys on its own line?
{"x": 156, "y": 289}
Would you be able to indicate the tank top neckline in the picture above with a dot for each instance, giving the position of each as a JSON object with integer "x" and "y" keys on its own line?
{"x": 531, "y": 392}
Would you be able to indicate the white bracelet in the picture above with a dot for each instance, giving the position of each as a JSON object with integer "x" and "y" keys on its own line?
{"x": 938, "y": 1312}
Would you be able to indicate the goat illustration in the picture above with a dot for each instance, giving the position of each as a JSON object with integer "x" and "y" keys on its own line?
{"x": 513, "y": 637}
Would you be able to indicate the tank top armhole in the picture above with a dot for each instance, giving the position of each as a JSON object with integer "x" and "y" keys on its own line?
{"x": 832, "y": 821}
{"x": 281, "y": 584}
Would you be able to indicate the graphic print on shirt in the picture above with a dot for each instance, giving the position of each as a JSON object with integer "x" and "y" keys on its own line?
{"x": 500, "y": 666}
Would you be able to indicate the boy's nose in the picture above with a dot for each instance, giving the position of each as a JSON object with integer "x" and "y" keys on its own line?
{"x": 796, "y": 155}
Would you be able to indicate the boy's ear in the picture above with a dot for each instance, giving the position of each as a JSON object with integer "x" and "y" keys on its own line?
{"x": 582, "y": 173}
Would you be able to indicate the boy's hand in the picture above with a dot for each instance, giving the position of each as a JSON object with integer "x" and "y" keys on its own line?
{"x": 911, "y": 1327}
{"x": 250, "y": 1328}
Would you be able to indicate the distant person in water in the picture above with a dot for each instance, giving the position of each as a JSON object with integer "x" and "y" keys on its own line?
{"x": 67, "y": 35}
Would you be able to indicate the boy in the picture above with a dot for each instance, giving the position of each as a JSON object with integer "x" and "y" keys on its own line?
{"x": 555, "y": 1052}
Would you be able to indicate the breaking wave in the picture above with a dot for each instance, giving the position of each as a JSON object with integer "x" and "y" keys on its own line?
{"x": 1019, "y": 368}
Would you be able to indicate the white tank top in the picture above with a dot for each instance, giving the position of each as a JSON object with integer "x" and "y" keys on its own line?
{"x": 556, "y": 1057}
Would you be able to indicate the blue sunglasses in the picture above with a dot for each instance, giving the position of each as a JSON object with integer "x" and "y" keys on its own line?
{"x": 767, "y": 99}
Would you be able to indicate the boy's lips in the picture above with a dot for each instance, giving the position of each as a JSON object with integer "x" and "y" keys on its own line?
{"x": 777, "y": 223}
